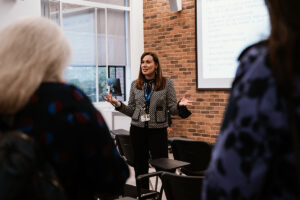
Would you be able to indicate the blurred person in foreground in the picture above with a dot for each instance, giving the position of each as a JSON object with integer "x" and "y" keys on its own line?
{"x": 36, "y": 100}
{"x": 257, "y": 152}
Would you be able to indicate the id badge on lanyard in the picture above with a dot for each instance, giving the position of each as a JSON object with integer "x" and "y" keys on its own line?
{"x": 146, "y": 117}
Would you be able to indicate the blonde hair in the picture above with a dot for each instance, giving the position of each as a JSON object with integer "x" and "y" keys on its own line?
{"x": 33, "y": 50}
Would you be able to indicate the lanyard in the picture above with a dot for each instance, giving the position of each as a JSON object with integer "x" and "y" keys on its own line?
{"x": 148, "y": 96}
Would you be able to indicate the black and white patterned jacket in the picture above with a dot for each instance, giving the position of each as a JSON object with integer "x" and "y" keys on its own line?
{"x": 160, "y": 102}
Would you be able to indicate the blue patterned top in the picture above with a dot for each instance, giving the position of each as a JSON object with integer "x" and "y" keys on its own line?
{"x": 253, "y": 157}
{"x": 75, "y": 139}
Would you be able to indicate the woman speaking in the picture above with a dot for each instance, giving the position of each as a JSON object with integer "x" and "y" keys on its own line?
{"x": 151, "y": 96}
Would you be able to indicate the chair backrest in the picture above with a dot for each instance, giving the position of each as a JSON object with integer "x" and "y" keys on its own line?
{"x": 198, "y": 153}
{"x": 178, "y": 187}
{"x": 125, "y": 147}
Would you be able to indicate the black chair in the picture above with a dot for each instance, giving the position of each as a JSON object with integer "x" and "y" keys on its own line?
{"x": 167, "y": 165}
{"x": 124, "y": 145}
{"x": 179, "y": 187}
{"x": 197, "y": 153}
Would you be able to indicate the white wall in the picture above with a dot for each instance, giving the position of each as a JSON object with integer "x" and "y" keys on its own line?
{"x": 114, "y": 119}
{"x": 11, "y": 10}
{"x": 137, "y": 36}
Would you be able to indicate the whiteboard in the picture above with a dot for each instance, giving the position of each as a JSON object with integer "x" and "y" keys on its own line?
{"x": 11, "y": 10}
{"x": 224, "y": 29}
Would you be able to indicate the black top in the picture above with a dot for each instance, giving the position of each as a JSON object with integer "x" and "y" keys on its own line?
{"x": 75, "y": 140}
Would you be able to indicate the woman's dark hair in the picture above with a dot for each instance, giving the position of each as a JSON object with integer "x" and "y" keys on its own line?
{"x": 284, "y": 47}
{"x": 160, "y": 81}
{"x": 284, "y": 41}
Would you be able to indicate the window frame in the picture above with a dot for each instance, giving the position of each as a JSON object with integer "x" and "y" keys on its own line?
{"x": 136, "y": 46}
{"x": 105, "y": 7}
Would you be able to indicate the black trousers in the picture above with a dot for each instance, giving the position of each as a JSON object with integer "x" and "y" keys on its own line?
{"x": 147, "y": 143}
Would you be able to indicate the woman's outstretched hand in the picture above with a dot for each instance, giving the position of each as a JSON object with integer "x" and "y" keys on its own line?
{"x": 184, "y": 101}
{"x": 109, "y": 98}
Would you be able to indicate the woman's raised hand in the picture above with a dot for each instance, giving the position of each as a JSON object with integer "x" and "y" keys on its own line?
{"x": 184, "y": 101}
{"x": 109, "y": 98}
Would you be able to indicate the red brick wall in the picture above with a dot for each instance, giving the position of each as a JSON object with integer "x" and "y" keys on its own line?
{"x": 172, "y": 36}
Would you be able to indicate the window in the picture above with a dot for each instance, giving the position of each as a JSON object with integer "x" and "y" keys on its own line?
{"x": 99, "y": 35}
{"x": 114, "y": 2}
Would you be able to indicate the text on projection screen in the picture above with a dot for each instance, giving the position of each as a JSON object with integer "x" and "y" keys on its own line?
{"x": 227, "y": 27}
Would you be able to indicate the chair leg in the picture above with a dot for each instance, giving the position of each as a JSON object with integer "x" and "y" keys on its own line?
{"x": 160, "y": 193}
{"x": 151, "y": 185}
{"x": 156, "y": 183}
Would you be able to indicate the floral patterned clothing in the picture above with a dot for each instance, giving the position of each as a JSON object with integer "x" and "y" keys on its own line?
{"x": 253, "y": 157}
